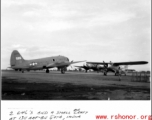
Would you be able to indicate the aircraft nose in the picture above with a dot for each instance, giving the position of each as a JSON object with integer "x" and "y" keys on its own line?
{"x": 67, "y": 59}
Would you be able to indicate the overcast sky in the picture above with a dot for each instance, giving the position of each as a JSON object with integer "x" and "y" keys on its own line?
{"x": 92, "y": 30}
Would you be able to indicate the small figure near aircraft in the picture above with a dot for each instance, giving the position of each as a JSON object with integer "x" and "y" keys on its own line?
{"x": 19, "y": 64}
{"x": 106, "y": 67}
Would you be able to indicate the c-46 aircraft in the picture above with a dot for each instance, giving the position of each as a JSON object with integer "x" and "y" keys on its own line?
{"x": 116, "y": 67}
{"x": 19, "y": 64}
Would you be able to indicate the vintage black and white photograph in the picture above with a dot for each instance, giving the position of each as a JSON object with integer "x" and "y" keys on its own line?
{"x": 75, "y": 49}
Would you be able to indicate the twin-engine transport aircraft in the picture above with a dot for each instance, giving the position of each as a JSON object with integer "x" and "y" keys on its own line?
{"x": 116, "y": 67}
{"x": 19, "y": 64}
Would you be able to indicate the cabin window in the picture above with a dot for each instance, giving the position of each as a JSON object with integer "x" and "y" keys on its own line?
{"x": 53, "y": 59}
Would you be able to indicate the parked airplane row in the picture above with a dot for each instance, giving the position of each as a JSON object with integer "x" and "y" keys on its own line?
{"x": 18, "y": 63}
{"x": 105, "y": 67}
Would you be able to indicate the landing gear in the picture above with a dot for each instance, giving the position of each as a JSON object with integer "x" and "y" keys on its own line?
{"x": 105, "y": 73}
{"x": 86, "y": 71}
{"x": 63, "y": 70}
{"x": 47, "y": 71}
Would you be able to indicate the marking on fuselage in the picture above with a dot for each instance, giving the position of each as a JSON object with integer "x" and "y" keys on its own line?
{"x": 18, "y": 58}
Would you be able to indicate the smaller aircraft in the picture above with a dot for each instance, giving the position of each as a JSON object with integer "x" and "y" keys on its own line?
{"x": 94, "y": 67}
{"x": 18, "y": 63}
{"x": 116, "y": 67}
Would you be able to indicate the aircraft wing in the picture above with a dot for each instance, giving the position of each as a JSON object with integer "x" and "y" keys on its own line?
{"x": 77, "y": 62}
{"x": 120, "y": 63}
{"x": 61, "y": 64}
{"x": 131, "y": 63}
{"x": 98, "y": 63}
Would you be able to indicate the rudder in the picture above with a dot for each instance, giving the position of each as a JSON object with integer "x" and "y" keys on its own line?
{"x": 16, "y": 58}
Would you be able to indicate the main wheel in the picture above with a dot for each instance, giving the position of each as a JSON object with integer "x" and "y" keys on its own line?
{"x": 62, "y": 71}
{"x": 105, "y": 74}
{"x": 47, "y": 71}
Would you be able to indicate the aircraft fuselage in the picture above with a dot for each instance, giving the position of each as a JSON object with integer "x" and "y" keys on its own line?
{"x": 37, "y": 64}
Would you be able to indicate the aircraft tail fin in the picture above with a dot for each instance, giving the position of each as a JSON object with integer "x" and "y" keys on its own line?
{"x": 16, "y": 58}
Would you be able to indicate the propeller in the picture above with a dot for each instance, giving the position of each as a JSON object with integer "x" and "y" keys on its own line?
{"x": 105, "y": 65}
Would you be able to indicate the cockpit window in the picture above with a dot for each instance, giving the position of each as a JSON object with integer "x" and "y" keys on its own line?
{"x": 67, "y": 59}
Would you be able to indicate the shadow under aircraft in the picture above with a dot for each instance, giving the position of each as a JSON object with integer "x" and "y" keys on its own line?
{"x": 19, "y": 64}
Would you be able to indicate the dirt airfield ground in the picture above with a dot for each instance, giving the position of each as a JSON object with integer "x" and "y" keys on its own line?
{"x": 38, "y": 85}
